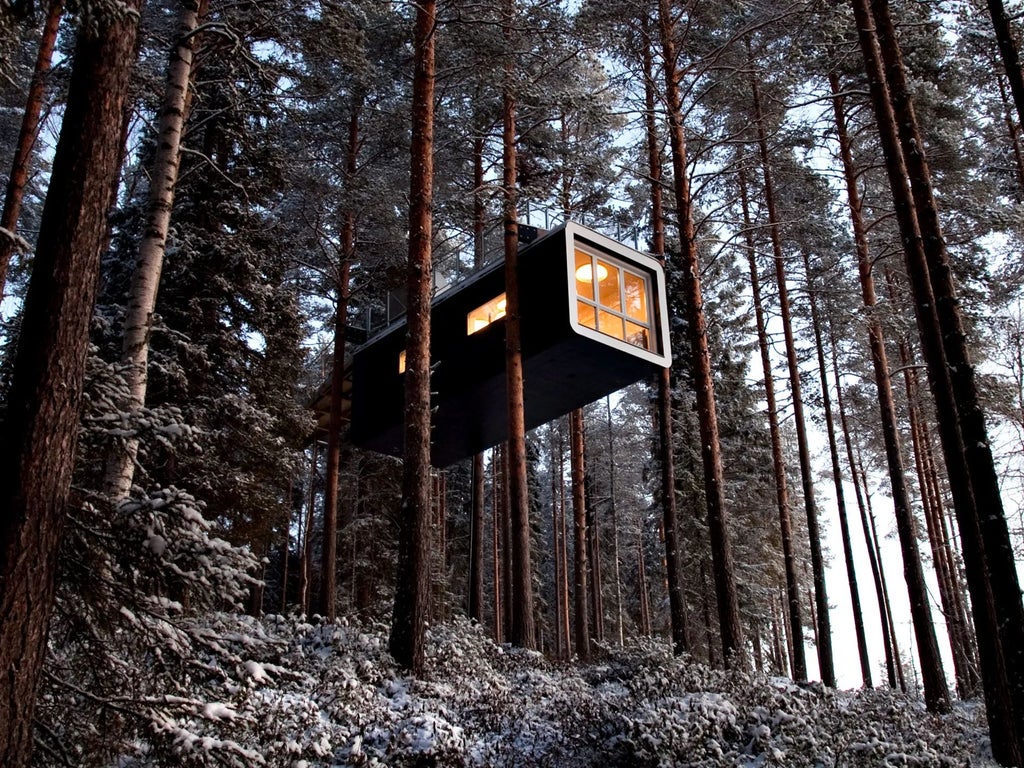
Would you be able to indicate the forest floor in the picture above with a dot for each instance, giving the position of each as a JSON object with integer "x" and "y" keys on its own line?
{"x": 308, "y": 694}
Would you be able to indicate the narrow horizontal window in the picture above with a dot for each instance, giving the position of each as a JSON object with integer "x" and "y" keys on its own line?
{"x": 486, "y": 314}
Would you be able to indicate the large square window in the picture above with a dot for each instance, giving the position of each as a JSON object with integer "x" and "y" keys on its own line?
{"x": 619, "y": 305}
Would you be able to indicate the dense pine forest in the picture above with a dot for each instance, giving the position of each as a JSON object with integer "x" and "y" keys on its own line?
{"x": 798, "y": 545}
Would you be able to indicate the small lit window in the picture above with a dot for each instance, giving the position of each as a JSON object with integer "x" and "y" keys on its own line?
{"x": 484, "y": 315}
{"x": 619, "y": 305}
{"x": 401, "y": 361}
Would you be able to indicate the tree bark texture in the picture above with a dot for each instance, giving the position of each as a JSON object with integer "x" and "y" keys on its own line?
{"x": 41, "y": 427}
{"x": 822, "y": 624}
{"x": 138, "y": 322}
{"x": 476, "y": 542}
{"x": 27, "y": 135}
{"x": 981, "y": 494}
{"x": 711, "y": 454}
{"x": 935, "y": 689}
{"x": 521, "y": 627}
{"x": 412, "y": 590}
{"x": 666, "y": 463}
{"x": 782, "y": 503}
{"x": 579, "y": 513}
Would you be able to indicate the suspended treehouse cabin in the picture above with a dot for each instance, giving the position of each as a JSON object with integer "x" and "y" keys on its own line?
{"x": 594, "y": 320}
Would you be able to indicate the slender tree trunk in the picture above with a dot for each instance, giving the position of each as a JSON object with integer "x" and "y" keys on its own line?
{"x": 506, "y": 548}
{"x": 582, "y": 631}
{"x": 666, "y": 463}
{"x": 496, "y": 548}
{"x": 522, "y": 631}
{"x": 711, "y": 453}
{"x": 951, "y": 369}
{"x": 837, "y": 477}
{"x": 1009, "y": 53}
{"x": 556, "y": 546}
{"x": 138, "y": 323}
{"x": 412, "y": 589}
{"x": 1013, "y": 136}
{"x": 822, "y": 624}
{"x": 41, "y": 425}
{"x": 596, "y": 580}
{"x": 563, "y": 552}
{"x": 782, "y": 503}
{"x": 15, "y": 193}
{"x": 615, "y": 526}
{"x": 476, "y": 542}
{"x": 307, "y": 536}
{"x": 642, "y": 588}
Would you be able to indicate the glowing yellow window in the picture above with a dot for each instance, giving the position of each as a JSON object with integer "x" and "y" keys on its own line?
{"x": 620, "y": 304}
{"x": 486, "y": 314}
{"x": 401, "y": 361}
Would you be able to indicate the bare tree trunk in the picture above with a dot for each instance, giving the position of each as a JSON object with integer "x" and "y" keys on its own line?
{"x": 563, "y": 549}
{"x": 1013, "y": 136}
{"x": 412, "y": 589}
{"x": 984, "y": 532}
{"x": 138, "y": 322}
{"x": 782, "y": 503}
{"x": 711, "y": 453}
{"x": 596, "y": 580}
{"x": 666, "y": 463}
{"x": 41, "y": 426}
{"x": 935, "y": 690}
{"x": 582, "y": 631}
{"x": 476, "y": 542}
{"x": 496, "y": 548}
{"x": 555, "y": 472}
{"x": 837, "y": 476}
{"x": 522, "y": 629}
{"x": 615, "y": 526}
{"x": 307, "y": 536}
{"x": 1009, "y": 53}
{"x": 872, "y": 560}
{"x": 26, "y": 139}
{"x": 822, "y": 624}
{"x": 642, "y": 588}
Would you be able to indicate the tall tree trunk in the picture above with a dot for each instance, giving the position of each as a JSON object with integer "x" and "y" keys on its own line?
{"x": 1013, "y": 136}
{"x": 1009, "y": 53}
{"x": 936, "y": 691}
{"x": 596, "y": 579}
{"x": 582, "y": 631}
{"x": 41, "y": 425}
{"x": 837, "y": 477}
{"x": 796, "y": 627}
{"x": 642, "y": 588}
{"x": 138, "y": 322}
{"x": 476, "y": 542}
{"x": 307, "y": 536}
{"x": 949, "y": 361}
{"x": 711, "y": 452}
{"x": 943, "y": 566}
{"x": 666, "y": 462}
{"x": 412, "y": 589}
{"x": 890, "y": 662}
{"x": 555, "y": 472}
{"x": 522, "y": 631}
{"x": 496, "y": 548}
{"x": 563, "y": 549}
{"x": 822, "y": 623}
{"x": 15, "y": 193}
{"x": 615, "y": 526}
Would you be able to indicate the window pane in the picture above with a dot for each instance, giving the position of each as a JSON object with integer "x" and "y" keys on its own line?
{"x": 636, "y": 297}
{"x": 610, "y": 324}
{"x": 584, "y": 275}
{"x": 608, "y": 279}
{"x": 637, "y": 335}
{"x": 484, "y": 315}
{"x": 587, "y": 315}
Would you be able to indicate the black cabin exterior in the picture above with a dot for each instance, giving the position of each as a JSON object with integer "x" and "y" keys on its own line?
{"x": 580, "y": 342}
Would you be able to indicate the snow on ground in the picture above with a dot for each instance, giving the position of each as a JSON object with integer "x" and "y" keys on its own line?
{"x": 335, "y": 698}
